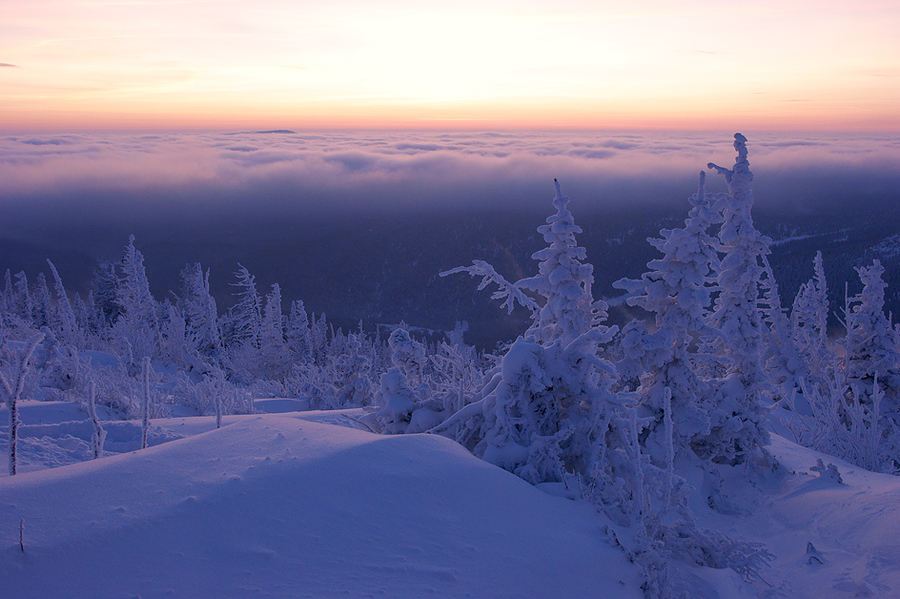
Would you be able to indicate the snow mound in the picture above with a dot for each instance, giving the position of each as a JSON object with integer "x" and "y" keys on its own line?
{"x": 280, "y": 506}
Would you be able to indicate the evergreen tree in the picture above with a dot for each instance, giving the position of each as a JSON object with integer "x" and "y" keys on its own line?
{"x": 871, "y": 344}
{"x": 199, "y": 310}
{"x": 66, "y": 325}
{"x": 550, "y": 400}
{"x": 41, "y": 303}
{"x": 297, "y": 333}
{"x": 736, "y": 422}
{"x": 677, "y": 291}
{"x": 246, "y": 315}
{"x": 809, "y": 316}
{"x": 23, "y": 304}
{"x": 139, "y": 318}
{"x": 104, "y": 292}
{"x": 274, "y": 360}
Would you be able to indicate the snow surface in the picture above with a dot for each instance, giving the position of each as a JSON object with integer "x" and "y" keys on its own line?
{"x": 285, "y": 506}
{"x": 305, "y": 504}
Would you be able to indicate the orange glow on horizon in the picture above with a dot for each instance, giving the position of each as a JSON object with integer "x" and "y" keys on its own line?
{"x": 494, "y": 64}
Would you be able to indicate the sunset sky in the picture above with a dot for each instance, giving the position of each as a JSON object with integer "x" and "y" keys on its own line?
{"x": 218, "y": 64}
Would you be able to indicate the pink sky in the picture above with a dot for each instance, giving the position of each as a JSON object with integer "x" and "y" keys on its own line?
{"x": 204, "y": 64}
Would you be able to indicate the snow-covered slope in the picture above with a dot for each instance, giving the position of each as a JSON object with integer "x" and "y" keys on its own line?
{"x": 303, "y": 504}
{"x": 829, "y": 539}
{"x": 280, "y": 506}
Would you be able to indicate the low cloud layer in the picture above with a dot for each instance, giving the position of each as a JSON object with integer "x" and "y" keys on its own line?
{"x": 91, "y": 177}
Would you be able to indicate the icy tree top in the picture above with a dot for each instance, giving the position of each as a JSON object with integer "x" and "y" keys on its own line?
{"x": 741, "y": 163}
{"x": 564, "y": 280}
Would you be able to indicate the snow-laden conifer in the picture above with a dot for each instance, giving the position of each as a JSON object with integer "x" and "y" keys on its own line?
{"x": 140, "y": 322}
{"x": 407, "y": 355}
{"x": 199, "y": 310}
{"x": 871, "y": 344}
{"x": 809, "y": 318}
{"x": 104, "y": 290}
{"x": 546, "y": 403}
{"x": 246, "y": 315}
{"x": 736, "y": 421}
{"x": 67, "y": 326}
{"x": 782, "y": 360}
{"x": 273, "y": 357}
{"x": 22, "y": 301}
{"x": 41, "y": 303}
{"x": 677, "y": 292}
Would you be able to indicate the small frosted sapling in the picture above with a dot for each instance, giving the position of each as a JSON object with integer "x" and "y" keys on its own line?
{"x": 13, "y": 393}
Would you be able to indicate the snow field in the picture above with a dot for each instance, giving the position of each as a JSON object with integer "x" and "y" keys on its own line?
{"x": 280, "y": 506}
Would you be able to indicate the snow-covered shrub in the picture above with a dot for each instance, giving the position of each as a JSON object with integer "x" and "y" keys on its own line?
{"x": 407, "y": 355}
{"x": 454, "y": 375}
{"x": 396, "y": 403}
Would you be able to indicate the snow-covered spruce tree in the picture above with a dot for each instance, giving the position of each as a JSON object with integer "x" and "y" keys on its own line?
{"x": 199, "y": 310}
{"x": 677, "y": 292}
{"x": 173, "y": 345}
{"x": 139, "y": 323}
{"x": 809, "y": 320}
{"x": 871, "y": 344}
{"x": 66, "y": 326}
{"x": 737, "y": 431}
{"x": 782, "y": 360}
{"x": 809, "y": 360}
{"x": 540, "y": 412}
{"x": 848, "y": 406}
{"x": 406, "y": 403}
{"x": 22, "y": 301}
{"x": 352, "y": 368}
{"x": 6, "y": 300}
{"x": 241, "y": 327}
{"x": 297, "y": 333}
{"x": 274, "y": 359}
{"x": 41, "y": 303}
{"x": 639, "y": 474}
{"x": 104, "y": 291}
{"x": 246, "y": 315}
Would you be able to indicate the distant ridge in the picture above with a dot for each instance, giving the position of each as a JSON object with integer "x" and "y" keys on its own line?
{"x": 276, "y": 131}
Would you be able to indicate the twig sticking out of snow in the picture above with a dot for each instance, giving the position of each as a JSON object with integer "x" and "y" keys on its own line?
{"x": 99, "y": 435}
{"x": 145, "y": 405}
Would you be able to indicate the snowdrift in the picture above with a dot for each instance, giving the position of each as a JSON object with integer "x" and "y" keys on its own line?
{"x": 279, "y": 506}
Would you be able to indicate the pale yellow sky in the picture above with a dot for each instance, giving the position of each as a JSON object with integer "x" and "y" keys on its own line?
{"x": 77, "y": 64}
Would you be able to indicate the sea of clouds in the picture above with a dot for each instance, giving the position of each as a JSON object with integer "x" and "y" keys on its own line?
{"x": 124, "y": 176}
{"x": 358, "y": 224}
